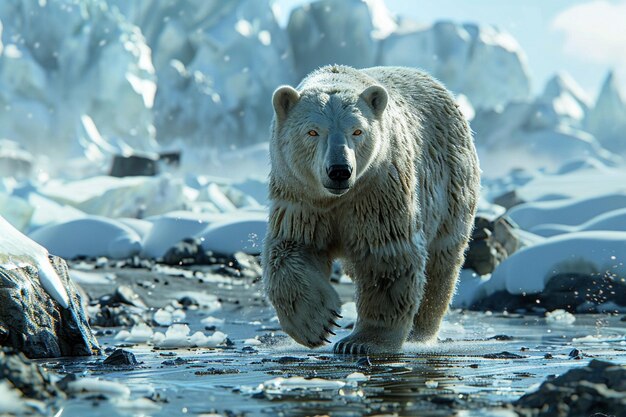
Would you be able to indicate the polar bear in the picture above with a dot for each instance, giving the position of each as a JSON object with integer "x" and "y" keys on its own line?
{"x": 375, "y": 167}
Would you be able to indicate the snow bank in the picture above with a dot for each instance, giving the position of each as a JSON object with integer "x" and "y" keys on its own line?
{"x": 565, "y": 211}
{"x": 92, "y": 236}
{"x": 235, "y": 236}
{"x": 528, "y": 270}
{"x": 119, "y": 197}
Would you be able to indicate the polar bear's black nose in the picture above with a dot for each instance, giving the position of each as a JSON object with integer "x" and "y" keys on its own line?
{"x": 339, "y": 172}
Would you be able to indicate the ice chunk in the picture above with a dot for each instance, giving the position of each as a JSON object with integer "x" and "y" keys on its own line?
{"x": 92, "y": 236}
{"x": 560, "y": 316}
{"x": 211, "y": 321}
{"x": 139, "y": 333}
{"x": 101, "y": 67}
{"x": 287, "y": 384}
{"x": 98, "y": 386}
{"x": 17, "y": 249}
{"x": 481, "y": 62}
{"x": 199, "y": 339}
{"x": 357, "y": 377}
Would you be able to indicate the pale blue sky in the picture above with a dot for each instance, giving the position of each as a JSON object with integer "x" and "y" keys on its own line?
{"x": 582, "y": 37}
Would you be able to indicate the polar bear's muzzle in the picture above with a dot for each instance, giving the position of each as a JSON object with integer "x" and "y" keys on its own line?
{"x": 339, "y": 165}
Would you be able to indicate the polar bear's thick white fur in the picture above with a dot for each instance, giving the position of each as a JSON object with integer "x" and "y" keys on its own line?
{"x": 376, "y": 167}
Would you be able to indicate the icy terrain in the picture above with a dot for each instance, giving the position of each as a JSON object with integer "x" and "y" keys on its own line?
{"x": 104, "y": 78}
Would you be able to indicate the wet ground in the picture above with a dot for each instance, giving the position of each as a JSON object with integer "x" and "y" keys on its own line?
{"x": 483, "y": 362}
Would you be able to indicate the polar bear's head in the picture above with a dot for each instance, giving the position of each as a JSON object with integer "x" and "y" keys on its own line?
{"x": 327, "y": 138}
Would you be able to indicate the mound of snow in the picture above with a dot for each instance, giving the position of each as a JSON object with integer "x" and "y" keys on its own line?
{"x": 528, "y": 270}
{"x": 571, "y": 212}
{"x": 61, "y": 60}
{"x": 17, "y": 250}
{"x": 227, "y": 233}
{"x": 578, "y": 179}
{"x": 92, "y": 236}
{"x": 481, "y": 62}
{"x": 614, "y": 220}
{"x": 235, "y": 236}
{"x": 170, "y": 228}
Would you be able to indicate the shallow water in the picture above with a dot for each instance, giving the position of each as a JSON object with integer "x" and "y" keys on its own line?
{"x": 450, "y": 378}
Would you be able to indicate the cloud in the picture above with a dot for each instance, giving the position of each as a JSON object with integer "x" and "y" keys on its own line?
{"x": 595, "y": 31}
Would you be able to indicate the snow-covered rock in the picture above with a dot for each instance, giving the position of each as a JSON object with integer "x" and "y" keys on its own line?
{"x": 17, "y": 249}
{"x": 41, "y": 310}
{"x": 607, "y": 119}
{"x": 528, "y": 270}
{"x": 481, "y": 62}
{"x": 119, "y": 197}
{"x": 337, "y": 32}
{"x": 61, "y": 60}
{"x": 92, "y": 236}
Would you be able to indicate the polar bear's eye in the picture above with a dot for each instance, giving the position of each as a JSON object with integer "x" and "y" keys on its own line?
{"x": 357, "y": 132}
{"x": 313, "y": 133}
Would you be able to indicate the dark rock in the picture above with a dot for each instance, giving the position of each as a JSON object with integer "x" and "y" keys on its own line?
{"x": 503, "y": 355}
{"x": 31, "y": 379}
{"x": 174, "y": 362}
{"x": 121, "y": 357}
{"x": 501, "y": 337}
{"x": 575, "y": 354}
{"x": 575, "y": 293}
{"x": 121, "y": 315}
{"x": 33, "y": 323}
{"x": 508, "y": 199}
{"x": 290, "y": 359}
{"x": 599, "y": 387}
{"x": 134, "y": 165}
{"x": 189, "y": 251}
{"x": 548, "y": 356}
{"x": 187, "y": 302}
{"x": 122, "y": 295}
{"x": 171, "y": 158}
{"x": 491, "y": 243}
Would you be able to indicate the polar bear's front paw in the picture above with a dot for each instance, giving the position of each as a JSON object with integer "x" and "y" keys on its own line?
{"x": 310, "y": 319}
{"x": 370, "y": 341}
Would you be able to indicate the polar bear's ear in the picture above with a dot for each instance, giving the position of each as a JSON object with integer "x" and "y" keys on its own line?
{"x": 285, "y": 97}
{"x": 376, "y": 97}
